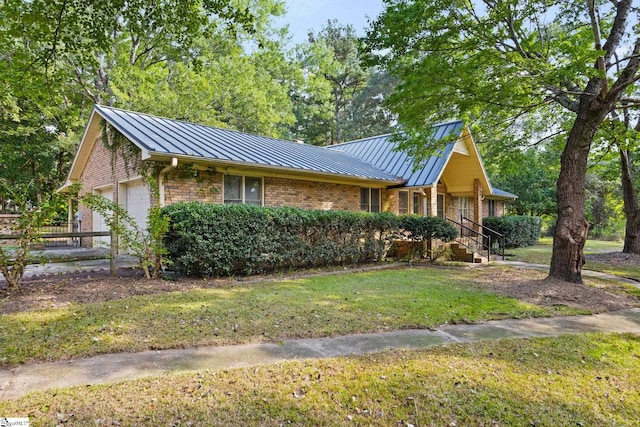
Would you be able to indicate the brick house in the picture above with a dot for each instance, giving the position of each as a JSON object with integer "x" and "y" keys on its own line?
{"x": 194, "y": 162}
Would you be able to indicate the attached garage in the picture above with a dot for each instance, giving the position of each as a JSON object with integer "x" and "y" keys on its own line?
{"x": 134, "y": 196}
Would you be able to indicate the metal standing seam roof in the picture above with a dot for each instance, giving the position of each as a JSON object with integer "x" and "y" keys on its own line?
{"x": 374, "y": 158}
{"x": 502, "y": 193}
{"x": 162, "y": 136}
{"x": 381, "y": 152}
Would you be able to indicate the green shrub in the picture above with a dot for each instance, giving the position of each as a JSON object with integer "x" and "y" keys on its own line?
{"x": 518, "y": 231}
{"x": 427, "y": 227}
{"x": 222, "y": 240}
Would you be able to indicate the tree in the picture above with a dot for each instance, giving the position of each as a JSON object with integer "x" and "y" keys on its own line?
{"x": 145, "y": 243}
{"x": 507, "y": 58}
{"x": 630, "y": 197}
{"x": 334, "y": 75}
{"x": 531, "y": 174}
{"x": 366, "y": 115}
{"x": 177, "y": 58}
{"x": 621, "y": 136}
{"x": 28, "y": 229}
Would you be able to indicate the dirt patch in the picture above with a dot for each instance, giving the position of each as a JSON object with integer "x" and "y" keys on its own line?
{"x": 54, "y": 291}
{"x": 528, "y": 285}
{"x": 615, "y": 259}
{"x": 535, "y": 287}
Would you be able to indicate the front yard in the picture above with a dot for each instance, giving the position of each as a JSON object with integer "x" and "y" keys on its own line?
{"x": 571, "y": 380}
{"x": 61, "y": 317}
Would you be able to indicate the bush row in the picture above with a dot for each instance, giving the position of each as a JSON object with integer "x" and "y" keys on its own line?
{"x": 518, "y": 231}
{"x": 221, "y": 240}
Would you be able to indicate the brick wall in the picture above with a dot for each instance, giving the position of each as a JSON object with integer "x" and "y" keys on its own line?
{"x": 499, "y": 207}
{"x": 180, "y": 186}
{"x": 97, "y": 174}
{"x": 279, "y": 192}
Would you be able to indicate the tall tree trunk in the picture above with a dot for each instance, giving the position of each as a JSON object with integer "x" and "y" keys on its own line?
{"x": 336, "y": 114}
{"x": 631, "y": 210}
{"x": 572, "y": 227}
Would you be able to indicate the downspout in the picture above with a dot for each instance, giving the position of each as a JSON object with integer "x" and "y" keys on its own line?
{"x": 163, "y": 172}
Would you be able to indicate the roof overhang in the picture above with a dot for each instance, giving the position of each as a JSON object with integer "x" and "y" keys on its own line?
{"x": 278, "y": 171}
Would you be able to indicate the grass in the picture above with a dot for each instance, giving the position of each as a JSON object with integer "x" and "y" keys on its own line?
{"x": 541, "y": 254}
{"x": 261, "y": 312}
{"x": 573, "y": 380}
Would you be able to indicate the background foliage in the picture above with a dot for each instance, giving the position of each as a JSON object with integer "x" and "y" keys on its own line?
{"x": 518, "y": 231}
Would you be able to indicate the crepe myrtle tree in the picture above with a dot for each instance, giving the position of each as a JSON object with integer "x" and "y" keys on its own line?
{"x": 496, "y": 61}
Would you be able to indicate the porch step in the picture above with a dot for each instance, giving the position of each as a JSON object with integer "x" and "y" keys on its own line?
{"x": 460, "y": 253}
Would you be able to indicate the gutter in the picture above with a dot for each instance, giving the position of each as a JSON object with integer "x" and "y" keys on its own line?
{"x": 163, "y": 172}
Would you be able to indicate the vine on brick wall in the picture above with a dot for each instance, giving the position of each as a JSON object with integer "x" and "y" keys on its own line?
{"x": 118, "y": 144}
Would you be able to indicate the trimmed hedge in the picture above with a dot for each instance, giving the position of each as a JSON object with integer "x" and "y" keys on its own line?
{"x": 427, "y": 227}
{"x": 222, "y": 240}
{"x": 518, "y": 231}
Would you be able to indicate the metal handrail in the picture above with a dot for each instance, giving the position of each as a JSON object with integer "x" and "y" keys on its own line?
{"x": 499, "y": 238}
{"x": 480, "y": 243}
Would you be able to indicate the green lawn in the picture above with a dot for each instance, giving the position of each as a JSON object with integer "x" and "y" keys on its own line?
{"x": 259, "y": 312}
{"x": 574, "y": 380}
{"x": 541, "y": 254}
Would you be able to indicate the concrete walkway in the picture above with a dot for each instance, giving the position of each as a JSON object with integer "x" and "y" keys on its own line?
{"x": 65, "y": 260}
{"x": 117, "y": 367}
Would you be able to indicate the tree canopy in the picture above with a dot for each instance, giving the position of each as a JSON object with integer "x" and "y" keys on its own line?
{"x": 339, "y": 98}
{"x": 493, "y": 62}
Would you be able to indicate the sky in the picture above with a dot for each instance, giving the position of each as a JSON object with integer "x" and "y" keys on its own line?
{"x": 303, "y": 15}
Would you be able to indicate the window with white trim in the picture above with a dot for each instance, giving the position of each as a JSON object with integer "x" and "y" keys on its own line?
{"x": 370, "y": 199}
{"x": 243, "y": 189}
{"x": 463, "y": 206}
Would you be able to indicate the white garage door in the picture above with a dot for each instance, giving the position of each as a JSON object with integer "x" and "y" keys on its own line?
{"x": 138, "y": 202}
{"x": 99, "y": 223}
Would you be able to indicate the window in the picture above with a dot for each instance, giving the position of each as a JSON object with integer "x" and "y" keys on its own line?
{"x": 492, "y": 207}
{"x": 243, "y": 189}
{"x": 370, "y": 199}
{"x": 403, "y": 202}
{"x": 463, "y": 206}
{"x": 416, "y": 203}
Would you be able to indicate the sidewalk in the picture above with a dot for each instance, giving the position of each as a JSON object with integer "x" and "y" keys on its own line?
{"x": 110, "y": 368}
